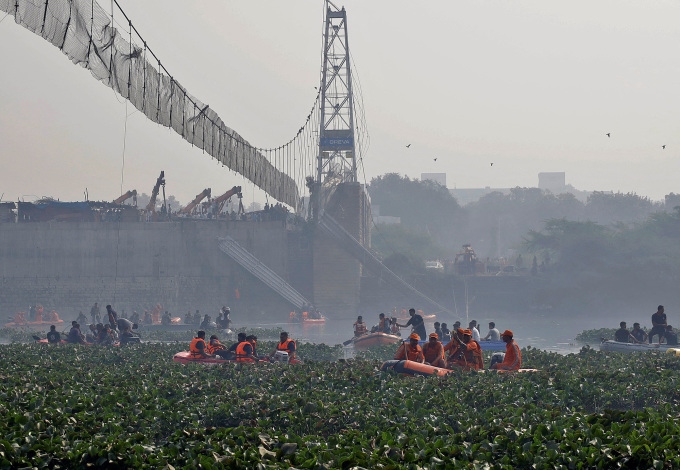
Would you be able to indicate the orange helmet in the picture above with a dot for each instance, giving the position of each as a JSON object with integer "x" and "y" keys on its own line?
{"x": 414, "y": 336}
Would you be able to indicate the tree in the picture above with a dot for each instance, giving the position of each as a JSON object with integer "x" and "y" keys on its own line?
{"x": 423, "y": 206}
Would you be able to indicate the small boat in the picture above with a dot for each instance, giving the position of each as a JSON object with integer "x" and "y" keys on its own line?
{"x": 63, "y": 341}
{"x": 185, "y": 357}
{"x": 492, "y": 345}
{"x": 414, "y": 368}
{"x": 44, "y": 341}
{"x": 374, "y": 339}
{"x": 36, "y": 325}
{"x": 314, "y": 321}
{"x": 485, "y": 345}
{"x": 616, "y": 346}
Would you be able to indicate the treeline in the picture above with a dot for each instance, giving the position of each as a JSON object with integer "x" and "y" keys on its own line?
{"x": 613, "y": 250}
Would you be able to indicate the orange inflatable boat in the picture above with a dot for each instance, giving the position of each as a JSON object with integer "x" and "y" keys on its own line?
{"x": 414, "y": 368}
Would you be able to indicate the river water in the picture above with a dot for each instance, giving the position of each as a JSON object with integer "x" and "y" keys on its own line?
{"x": 545, "y": 331}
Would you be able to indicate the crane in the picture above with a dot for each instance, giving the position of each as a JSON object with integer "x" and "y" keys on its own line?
{"x": 132, "y": 193}
{"x": 221, "y": 200}
{"x": 199, "y": 197}
{"x": 151, "y": 206}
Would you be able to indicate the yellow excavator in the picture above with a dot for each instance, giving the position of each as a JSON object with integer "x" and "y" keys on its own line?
{"x": 199, "y": 197}
{"x": 130, "y": 194}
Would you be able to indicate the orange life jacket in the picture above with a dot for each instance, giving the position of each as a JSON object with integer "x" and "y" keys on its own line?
{"x": 193, "y": 347}
{"x": 477, "y": 356}
{"x": 241, "y": 354}
{"x": 360, "y": 329}
{"x": 405, "y": 351}
{"x": 513, "y": 357}
{"x": 471, "y": 358}
{"x": 211, "y": 348}
{"x": 433, "y": 352}
{"x": 284, "y": 347}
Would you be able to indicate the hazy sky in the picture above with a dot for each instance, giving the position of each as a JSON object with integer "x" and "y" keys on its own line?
{"x": 531, "y": 86}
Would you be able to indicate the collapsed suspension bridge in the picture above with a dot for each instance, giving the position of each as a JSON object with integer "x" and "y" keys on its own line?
{"x": 113, "y": 50}
{"x": 320, "y": 158}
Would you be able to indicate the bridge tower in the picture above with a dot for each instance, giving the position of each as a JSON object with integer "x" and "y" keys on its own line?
{"x": 336, "y": 161}
{"x": 336, "y": 193}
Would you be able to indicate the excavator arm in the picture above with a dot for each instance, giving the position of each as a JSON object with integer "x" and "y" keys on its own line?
{"x": 126, "y": 196}
{"x": 220, "y": 200}
{"x": 199, "y": 197}
{"x": 151, "y": 206}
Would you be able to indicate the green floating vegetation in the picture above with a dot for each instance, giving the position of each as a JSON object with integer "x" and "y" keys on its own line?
{"x": 71, "y": 406}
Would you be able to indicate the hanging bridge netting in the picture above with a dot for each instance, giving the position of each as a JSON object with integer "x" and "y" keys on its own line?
{"x": 86, "y": 33}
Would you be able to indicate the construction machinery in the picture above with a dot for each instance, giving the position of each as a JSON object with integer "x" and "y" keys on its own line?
{"x": 151, "y": 206}
{"x": 221, "y": 200}
{"x": 199, "y": 197}
{"x": 130, "y": 194}
{"x": 466, "y": 262}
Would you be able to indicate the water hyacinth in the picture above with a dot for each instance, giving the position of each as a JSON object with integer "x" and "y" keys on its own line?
{"x": 77, "y": 406}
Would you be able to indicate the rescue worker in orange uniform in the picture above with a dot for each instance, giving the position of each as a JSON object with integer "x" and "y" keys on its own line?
{"x": 411, "y": 351}
{"x": 383, "y": 325}
{"x": 452, "y": 348}
{"x": 360, "y": 327}
{"x": 252, "y": 339}
{"x": 513, "y": 356}
{"x": 214, "y": 347}
{"x": 245, "y": 352}
{"x": 285, "y": 344}
{"x": 467, "y": 354}
{"x": 433, "y": 351}
{"x": 198, "y": 348}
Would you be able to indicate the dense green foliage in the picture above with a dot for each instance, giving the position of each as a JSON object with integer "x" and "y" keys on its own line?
{"x": 610, "y": 267}
{"x": 497, "y": 222}
{"x": 75, "y": 407}
{"x": 613, "y": 252}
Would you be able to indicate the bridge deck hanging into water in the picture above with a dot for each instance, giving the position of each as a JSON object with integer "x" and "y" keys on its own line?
{"x": 323, "y": 164}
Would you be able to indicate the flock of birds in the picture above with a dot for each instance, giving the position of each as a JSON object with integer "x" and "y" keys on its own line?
{"x": 608, "y": 134}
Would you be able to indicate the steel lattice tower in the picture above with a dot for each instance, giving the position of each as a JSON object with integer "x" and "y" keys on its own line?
{"x": 336, "y": 161}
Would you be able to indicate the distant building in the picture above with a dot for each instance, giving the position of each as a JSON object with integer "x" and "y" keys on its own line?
{"x": 671, "y": 201}
{"x": 436, "y": 177}
{"x": 554, "y": 181}
{"x": 383, "y": 219}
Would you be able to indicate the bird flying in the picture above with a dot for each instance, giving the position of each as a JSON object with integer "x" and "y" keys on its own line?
{"x": 408, "y": 146}
{"x": 608, "y": 134}
{"x": 435, "y": 159}
{"x": 663, "y": 146}
{"x": 491, "y": 164}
